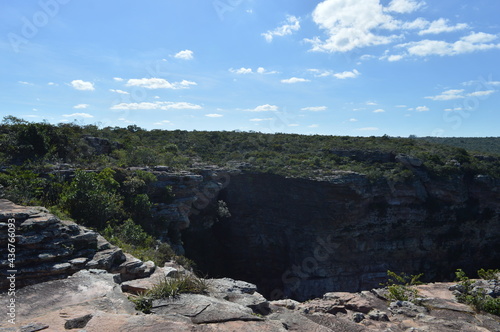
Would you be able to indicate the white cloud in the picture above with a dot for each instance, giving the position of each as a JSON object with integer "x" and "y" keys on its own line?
{"x": 214, "y": 115}
{"x": 161, "y": 123}
{"x": 440, "y": 26}
{"x": 393, "y": 58}
{"x": 481, "y": 82}
{"x": 343, "y": 75}
{"x": 379, "y": 111}
{"x": 371, "y": 103}
{"x": 467, "y": 44}
{"x": 294, "y": 80}
{"x": 124, "y": 120}
{"x": 260, "y": 120}
{"x": 159, "y": 83}
{"x": 368, "y": 129}
{"x": 320, "y": 73}
{"x": 262, "y": 70}
{"x": 292, "y": 24}
{"x": 119, "y": 91}
{"x": 419, "y": 23}
{"x": 25, "y": 83}
{"x": 78, "y": 115}
{"x": 401, "y": 106}
{"x": 159, "y": 105}
{"x": 481, "y": 93}
{"x": 183, "y": 84}
{"x": 365, "y": 57}
{"x": 293, "y": 125}
{"x": 241, "y": 71}
{"x": 351, "y": 24}
{"x": 347, "y": 74}
{"x": 422, "y": 109}
{"x": 118, "y": 79}
{"x": 353, "y": 120}
{"x": 313, "y": 126}
{"x": 315, "y": 108}
{"x": 184, "y": 55}
{"x": 264, "y": 108}
{"x": 404, "y": 6}
{"x": 479, "y": 37}
{"x": 448, "y": 95}
{"x": 82, "y": 85}
{"x": 81, "y": 106}
{"x": 52, "y": 84}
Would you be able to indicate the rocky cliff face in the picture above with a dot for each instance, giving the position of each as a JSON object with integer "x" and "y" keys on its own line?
{"x": 301, "y": 238}
{"x": 46, "y": 248}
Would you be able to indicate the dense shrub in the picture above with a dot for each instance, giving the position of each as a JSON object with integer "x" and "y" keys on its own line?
{"x": 477, "y": 298}
{"x": 400, "y": 286}
{"x": 92, "y": 198}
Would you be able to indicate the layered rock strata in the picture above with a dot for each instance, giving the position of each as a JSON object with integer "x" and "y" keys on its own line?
{"x": 301, "y": 238}
{"x": 46, "y": 248}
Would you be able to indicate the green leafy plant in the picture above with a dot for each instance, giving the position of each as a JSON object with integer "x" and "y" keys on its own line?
{"x": 400, "y": 286}
{"x": 21, "y": 185}
{"x": 92, "y": 198}
{"x": 477, "y": 299}
{"x": 488, "y": 274}
{"x": 170, "y": 287}
{"x": 134, "y": 240}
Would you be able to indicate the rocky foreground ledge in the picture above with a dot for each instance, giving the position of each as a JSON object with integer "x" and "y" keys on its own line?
{"x": 70, "y": 278}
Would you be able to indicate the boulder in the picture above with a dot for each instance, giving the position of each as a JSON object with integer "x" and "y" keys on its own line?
{"x": 203, "y": 309}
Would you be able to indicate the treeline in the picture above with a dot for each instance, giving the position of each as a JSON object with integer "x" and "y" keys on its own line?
{"x": 477, "y": 144}
{"x": 44, "y": 145}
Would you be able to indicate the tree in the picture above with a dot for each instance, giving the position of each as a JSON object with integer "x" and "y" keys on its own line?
{"x": 92, "y": 199}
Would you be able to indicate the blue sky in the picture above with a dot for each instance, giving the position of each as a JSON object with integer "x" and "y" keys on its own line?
{"x": 335, "y": 67}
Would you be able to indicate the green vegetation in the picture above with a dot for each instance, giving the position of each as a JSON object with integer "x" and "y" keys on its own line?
{"x": 170, "y": 287}
{"x": 92, "y": 198}
{"x": 478, "y": 144}
{"x": 115, "y": 202}
{"x": 133, "y": 239}
{"x": 488, "y": 274}
{"x": 22, "y": 185}
{"x": 104, "y": 195}
{"x": 42, "y": 145}
{"x": 400, "y": 286}
{"x": 477, "y": 298}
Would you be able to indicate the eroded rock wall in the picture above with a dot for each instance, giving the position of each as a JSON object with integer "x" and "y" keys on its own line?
{"x": 301, "y": 238}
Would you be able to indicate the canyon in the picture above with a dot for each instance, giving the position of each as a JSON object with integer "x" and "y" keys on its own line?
{"x": 300, "y": 238}
{"x": 328, "y": 240}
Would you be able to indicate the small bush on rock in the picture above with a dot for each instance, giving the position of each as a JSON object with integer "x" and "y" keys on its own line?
{"x": 400, "y": 286}
{"x": 170, "y": 287}
{"x": 476, "y": 297}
